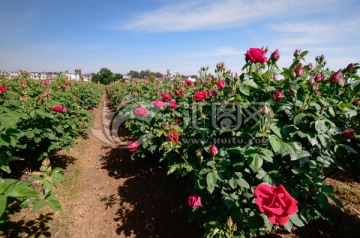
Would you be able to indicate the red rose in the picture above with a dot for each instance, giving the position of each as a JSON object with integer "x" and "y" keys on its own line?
{"x": 278, "y": 96}
{"x": 220, "y": 84}
{"x": 173, "y": 137}
{"x": 357, "y": 102}
{"x": 200, "y": 95}
{"x": 58, "y": 108}
{"x": 173, "y": 105}
{"x": 256, "y": 55}
{"x": 158, "y": 103}
{"x": 194, "y": 201}
{"x": 141, "y": 111}
{"x": 189, "y": 82}
{"x": 348, "y": 134}
{"x": 275, "y": 202}
{"x": 3, "y": 88}
{"x": 133, "y": 145}
{"x": 166, "y": 96}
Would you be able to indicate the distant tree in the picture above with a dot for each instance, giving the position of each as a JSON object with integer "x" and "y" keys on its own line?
{"x": 105, "y": 76}
{"x": 118, "y": 77}
{"x": 134, "y": 74}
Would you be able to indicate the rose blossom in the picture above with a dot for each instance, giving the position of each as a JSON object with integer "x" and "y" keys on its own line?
{"x": 275, "y": 202}
{"x": 173, "y": 137}
{"x": 141, "y": 111}
{"x": 3, "y": 88}
{"x": 133, "y": 145}
{"x": 213, "y": 150}
{"x": 256, "y": 55}
{"x": 200, "y": 95}
{"x": 348, "y": 134}
{"x": 166, "y": 96}
{"x": 158, "y": 103}
{"x": 194, "y": 201}
{"x": 173, "y": 104}
{"x": 189, "y": 82}
{"x": 357, "y": 102}
{"x": 278, "y": 96}
{"x": 58, "y": 108}
{"x": 220, "y": 84}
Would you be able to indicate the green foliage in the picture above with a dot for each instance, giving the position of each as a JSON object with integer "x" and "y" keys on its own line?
{"x": 294, "y": 140}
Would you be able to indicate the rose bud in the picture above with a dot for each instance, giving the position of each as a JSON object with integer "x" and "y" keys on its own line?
{"x": 292, "y": 91}
{"x": 348, "y": 134}
{"x": 198, "y": 153}
{"x": 297, "y": 53}
{"x": 230, "y": 221}
{"x": 213, "y": 150}
{"x": 319, "y": 78}
{"x": 357, "y": 102}
{"x": 350, "y": 67}
{"x": 310, "y": 66}
{"x": 315, "y": 86}
{"x": 298, "y": 70}
{"x": 278, "y": 96}
{"x": 276, "y": 77}
{"x": 322, "y": 57}
{"x": 293, "y": 74}
{"x": 275, "y": 55}
{"x": 194, "y": 201}
{"x": 336, "y": 77}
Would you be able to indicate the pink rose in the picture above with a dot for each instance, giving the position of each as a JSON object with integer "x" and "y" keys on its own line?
{"x": 141, "y": 111}
{"x": 200, "y": 95}
{"x": 66, "y": 84}
{"x": 189, "y": 83}
{"x": 275, "y": 55}
{"x": 122, "y": 104}
{"x": 173, "y": 137}
{"x": 220, "y": 84}
{"x": 158, "y": 103}
{"x": 278, "y": 96}
{"x": 166, "y": 96}
{"x": 213, "y": 150}
{"x": 256, "y": 55}
{"x": 357, "y": 102}
{"x": 348, "y": 134}
{"x": 194, "y": 201}
{"x": 47, "y": 92}
{"x": 173, "y": 105}
{"x": 275, "y": 202}
{"x": 133, "y": 145}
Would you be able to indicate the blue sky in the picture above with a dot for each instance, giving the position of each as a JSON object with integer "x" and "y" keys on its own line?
{"x": 59, "y": 35}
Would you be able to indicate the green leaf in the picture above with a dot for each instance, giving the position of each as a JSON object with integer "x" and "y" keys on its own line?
{"x": 54, "y": 204}
{"x": 242, "y": 183}
{"x": 255, "y": 162}
{"x": 211, "y": 181}
{"x": 275, "y": 143}
{"x": 276, "y": 130}
{"x": 267, "y": 223}
{"x": 336, "y": 200}
{"x": 3, "y": 203}
{"x": 288, "y": 225}
{"x": 297, "y": 220}
{"x": 348, "y": 148}
{"x": 320, "y": 126}
{"x": 355, "y": 86}
{"x": 322, "y": 200}
{"x": 245, "y": 91}
{"x": 38, "y": 204}
{"x": 5, "y": 184}
{"x": 21, "y": 191}
{"x": 250, "y": 83}
{"x": 48, "y": 184}
{"x": 299, "y": 118}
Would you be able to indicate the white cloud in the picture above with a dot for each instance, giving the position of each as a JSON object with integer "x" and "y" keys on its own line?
{"x": 214, "y": 14}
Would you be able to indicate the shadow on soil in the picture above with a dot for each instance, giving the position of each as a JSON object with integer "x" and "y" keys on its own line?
{"x": 34, "y": 228}
{"x": 152, "y": 204}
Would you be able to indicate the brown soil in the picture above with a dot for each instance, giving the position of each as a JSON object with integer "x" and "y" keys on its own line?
{"x": 106, "y": 194}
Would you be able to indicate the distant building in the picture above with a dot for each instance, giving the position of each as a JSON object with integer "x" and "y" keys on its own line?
{"x": 38, "y": 76}
{"x": 78, "y": 72}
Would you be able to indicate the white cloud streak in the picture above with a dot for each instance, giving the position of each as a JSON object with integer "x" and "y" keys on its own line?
{"x": 215, "y": 14}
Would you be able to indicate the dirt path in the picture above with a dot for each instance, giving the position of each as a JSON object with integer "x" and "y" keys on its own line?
{"x": 106, "y": 194}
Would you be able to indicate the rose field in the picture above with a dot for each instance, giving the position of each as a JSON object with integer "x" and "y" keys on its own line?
{"x": 265, "y": 152}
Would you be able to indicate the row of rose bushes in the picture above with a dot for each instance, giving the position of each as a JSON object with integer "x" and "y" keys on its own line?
{"x": 37, "y": 118}
{"x": 256, "y": 147}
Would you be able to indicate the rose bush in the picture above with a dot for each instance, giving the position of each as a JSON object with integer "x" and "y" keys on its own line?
{"x": 290, "y": 127}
